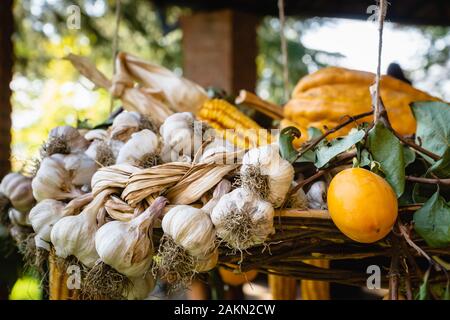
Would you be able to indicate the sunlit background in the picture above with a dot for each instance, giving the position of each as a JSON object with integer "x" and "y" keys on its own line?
{"x": 47, "y": 91}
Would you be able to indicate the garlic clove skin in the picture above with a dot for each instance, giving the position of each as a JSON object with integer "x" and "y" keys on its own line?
{"x": 126, "y": 123}
{"x": 141, "y": 287}
{"x": 279, "y": 172}
{"x": 127, "y": 246}
{"x": 190, "y": 228}
{"x": 141, "y": 143}
{"x": 238, "y": 204}
{"x": 43, "y": 217}
{"x": 18, "y": 218}
{"x": 317, "y": 195}
{"x": 17, "y": 188}
{"x": 53, "y": 181}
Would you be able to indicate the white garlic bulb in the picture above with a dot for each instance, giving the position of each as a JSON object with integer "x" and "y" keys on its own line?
{"x": 242, "y": 219}
{"x": 125, "y": 124}
{"x": 177, "y": 133}
{"x": 190, "y": 228}
{"x": 141, "y": 287}
{"x": 317, "y": 195}
{"x": 43, "y": 217}
{"x": 189, "y": 244}
{"x": 18, "y": 218}
{"x": 96, "y": 134}
{"x": 104, "y": 152}
{"x": 127, "y": 246}
{"x": 17, "y": 189}
{"x": 53, "y": 181}
{"x": 65, "y": 139}
{"x": 142, "y": 144}
{"x": 80, "y": 167}
{"x": 170, "y": 155}
{"x": 217, "y": 146}
{"x": 265, "y": 173}
{"x": 298, "y": 200}
{"x": 75, "y": 235}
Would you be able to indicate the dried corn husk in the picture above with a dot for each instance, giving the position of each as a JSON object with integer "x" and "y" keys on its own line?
{"x": 179, "y": 94}
{"x": 115, "y": 176}
{"x": 142, "y": 100}
{"x": 182, "y": 183}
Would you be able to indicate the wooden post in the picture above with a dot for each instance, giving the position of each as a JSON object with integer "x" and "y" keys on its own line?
{"x": 6, "y": 64}
{"x": 219, "y": 49}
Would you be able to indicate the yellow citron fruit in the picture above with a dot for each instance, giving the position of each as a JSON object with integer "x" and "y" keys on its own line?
{"x": 362, "y": 205}
{"x": 237, "y": 279}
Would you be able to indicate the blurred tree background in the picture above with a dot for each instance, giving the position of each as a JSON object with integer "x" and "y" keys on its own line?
{"x": 47, "y": 90}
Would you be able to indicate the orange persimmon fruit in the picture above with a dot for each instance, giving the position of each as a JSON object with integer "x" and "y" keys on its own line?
{"x": 362, "y": 205}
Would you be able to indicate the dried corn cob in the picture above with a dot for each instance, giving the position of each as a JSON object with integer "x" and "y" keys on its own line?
{"x": 223, "y": 116}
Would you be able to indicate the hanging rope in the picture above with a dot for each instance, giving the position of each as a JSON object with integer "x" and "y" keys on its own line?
{"x": 382, "y": 9}
{"x": 115, "y": 45}
{"x": 284, "y": 52}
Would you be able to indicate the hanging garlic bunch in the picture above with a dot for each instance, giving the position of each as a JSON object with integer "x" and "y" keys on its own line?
{"x": 188, "y": 245}
{"x": 177, "y": 133}
{"x": 125, "y": 248}
{"x": 140, "y": 150}
{"x": 317, "y": 195}
{"x": 43, "y": 217}
{"x": 64, "y": 140}
{"x": 265, "y": 173}
{"x": 75, "y": 235}
{"x": 242, "y": 219}
{"x": 15, "y": 191}
{"x": 53, "y": 181}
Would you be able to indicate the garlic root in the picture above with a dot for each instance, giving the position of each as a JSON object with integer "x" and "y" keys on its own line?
{"x": 105, "y": 283}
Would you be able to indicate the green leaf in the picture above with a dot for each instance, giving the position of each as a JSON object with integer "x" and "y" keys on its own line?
{"x": 328, "y": 151}
{"x": 446, "y": 295}
{"x": 423, "y": 289}
{"x": 433, "y": 125}
{"x": 441, "y": 168}
{"x": 409, "y": 155}
{"x": 432, "y": 221}
{"x": 313, "y": 133}
{"x": 309, "y": 156}
{"x": 365, "y": 159}
{"x": 388, "y": 152}
{"x": 287, "y": 150}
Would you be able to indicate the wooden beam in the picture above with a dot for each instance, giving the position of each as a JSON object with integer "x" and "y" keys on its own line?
{"x": 6, "y": 72}
{"x": 219, "y": 49}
